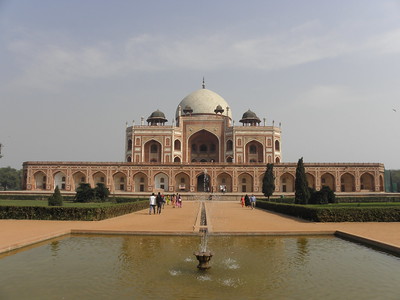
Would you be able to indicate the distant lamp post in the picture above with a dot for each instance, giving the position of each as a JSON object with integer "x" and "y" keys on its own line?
{"x": 1, "y": 146}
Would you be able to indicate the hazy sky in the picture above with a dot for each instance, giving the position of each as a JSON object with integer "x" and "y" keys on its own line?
{"x": 72, "y": 73}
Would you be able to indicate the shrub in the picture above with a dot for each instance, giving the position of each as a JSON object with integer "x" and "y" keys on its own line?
{"x": 56, "y": 199}
{"x": 101, "y": 192}
{"x": 70, "y": 213}
{"x": 84, "y": 193}
{"x": 335, "y": 214}
{"x": 324, "y": 196}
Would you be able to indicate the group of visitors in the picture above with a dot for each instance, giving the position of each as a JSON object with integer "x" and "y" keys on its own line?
{"x": 157, "y": 203}
{"x": 248, "y": 201}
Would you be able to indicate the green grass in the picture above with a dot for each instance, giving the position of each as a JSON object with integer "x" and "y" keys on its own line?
{"x": 44, "y": 203}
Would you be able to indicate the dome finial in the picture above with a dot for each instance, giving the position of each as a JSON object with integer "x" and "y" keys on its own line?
{"x": 204, "y": 84}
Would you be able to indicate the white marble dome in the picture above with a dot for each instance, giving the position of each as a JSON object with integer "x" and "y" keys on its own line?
{"x": 203, "y": 101}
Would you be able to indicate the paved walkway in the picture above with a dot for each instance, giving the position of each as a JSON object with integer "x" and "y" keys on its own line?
{"x": 224, "y": 217}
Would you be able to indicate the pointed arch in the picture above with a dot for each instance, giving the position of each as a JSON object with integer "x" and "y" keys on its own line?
{"x": 310, "y": 180}
{"x": 40, "y": 180}
{"x": 327, "y": 179}
{"x": 229, "y": 145}
{"x": 161, "y": 181}
{"x": 254, "y": 152}
{"x": 203, "y": 182}
{"x": 245, "y": 183}
{"x": 203, "y": 146}
{"x": 347, "y": 183}
{"x": 224, "y": 182}
{"x": 152, "y": 151}
{"x": 99, "y": 177}
{"x": 277, "y": 146}
{"x": 60, "y": 180}
{"x": 140, "y": 182}
{"x": 120, "y": 182}
{"x": 177, "y": 145}
{"x": 287, "y": 183}
{"x": 367, "y": 182}
{"x": 78, "y": 178}
{"x": 182, "y": 182}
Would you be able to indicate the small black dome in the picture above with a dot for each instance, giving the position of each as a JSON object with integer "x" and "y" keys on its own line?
{"x": 250, "y": 117}
{"x": 157, "y": 117}
{"x": 219, "y": 109}
{"x": 157, "y": 114}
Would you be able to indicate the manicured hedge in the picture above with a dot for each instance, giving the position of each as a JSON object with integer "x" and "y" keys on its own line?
{"x": 31, "y": 197}
{"x": 70, "y": 213}
{"x": 365, "y": 199}
{"x": 344, "y": 199}
{"x": 330, "y": 213}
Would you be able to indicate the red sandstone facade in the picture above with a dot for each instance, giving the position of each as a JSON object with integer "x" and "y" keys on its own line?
{"x": 201, "y": 151}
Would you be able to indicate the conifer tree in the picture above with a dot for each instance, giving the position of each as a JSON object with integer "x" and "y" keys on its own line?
{"x": 268, "y": 187}
{"x": 302, "y": 193}
{"x": 56, "y": 199}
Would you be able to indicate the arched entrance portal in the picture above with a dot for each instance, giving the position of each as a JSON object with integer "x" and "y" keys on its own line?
{"x": 204, "y": 183}
{"x": 204, "y": 147}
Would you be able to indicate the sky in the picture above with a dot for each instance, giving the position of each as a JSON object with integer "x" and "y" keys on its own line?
{"x": 72, "y": 73}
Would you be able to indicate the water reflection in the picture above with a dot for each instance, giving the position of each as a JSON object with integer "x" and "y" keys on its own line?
{"x": 163, "y": 267}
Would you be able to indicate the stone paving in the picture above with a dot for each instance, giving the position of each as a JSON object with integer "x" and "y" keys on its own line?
{"x": 223, "y": 217}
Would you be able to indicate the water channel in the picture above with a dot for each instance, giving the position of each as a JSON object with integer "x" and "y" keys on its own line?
{"x": 163, "y": 267}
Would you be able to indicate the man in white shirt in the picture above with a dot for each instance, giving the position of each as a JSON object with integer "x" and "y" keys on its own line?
{"x": 152, "y": 204}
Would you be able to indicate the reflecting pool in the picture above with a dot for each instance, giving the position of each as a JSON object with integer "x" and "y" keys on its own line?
{"x": 164, "y": 267}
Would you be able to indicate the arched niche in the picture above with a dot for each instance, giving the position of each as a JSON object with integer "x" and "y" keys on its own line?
{"x": 161, "y": 181}
{"x": 327, "y": 179}
{"x": 224, "y": 182}
{"x": 140, "y": 182}
{"x": 77, "y": 179}
{"x": 310, "y": 180}
{"x": 203, "y": 183}
{"x": 40, "y": 180}
{"x": 347, "y": 183}
{"x": 367, "y": 182}
{"x": 287, "y": 183}
{"x": 60, "y": 180}
{"x": 152, "y": 151}
{"x": 245, "y": 183}
{"x": 254, "y": 152}
{"x": 203, "y": 146}
{"x": 182, "y": 182}
{"x": 120, "y": 182}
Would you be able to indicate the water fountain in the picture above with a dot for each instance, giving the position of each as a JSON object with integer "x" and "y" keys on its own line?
{"x": 203, "y": 255}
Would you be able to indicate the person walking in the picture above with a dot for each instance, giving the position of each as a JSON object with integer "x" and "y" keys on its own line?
{"x": 152, "y": 201}
{"x": 246, "y": 200}
{"x": 242, "y": 201}
{"x": 159, "y": 201}
{"x": 253, "y": 201}
{"x": 179, "y": 201}
{"x": 173, "y": 200}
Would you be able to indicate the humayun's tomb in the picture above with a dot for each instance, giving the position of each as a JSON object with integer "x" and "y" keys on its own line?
{"x": 203, "y": 150}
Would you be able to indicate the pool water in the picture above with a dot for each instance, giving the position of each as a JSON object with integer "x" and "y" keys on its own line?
{"x": 164, "y": 267}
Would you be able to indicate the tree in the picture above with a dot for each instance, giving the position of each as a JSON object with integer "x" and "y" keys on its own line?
{"x": 56, "y": 199}
{"x": 10, "y": 179}
{"x": 101, "y": 192}
{"x": 84, "y": 193}
{"x": 324, "y": 196}
{"x": 268, "y": 187}
{"x": 302, "y": 193}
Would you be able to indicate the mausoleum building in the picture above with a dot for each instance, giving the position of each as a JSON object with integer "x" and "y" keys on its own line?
{"x": 202, "y": 149}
